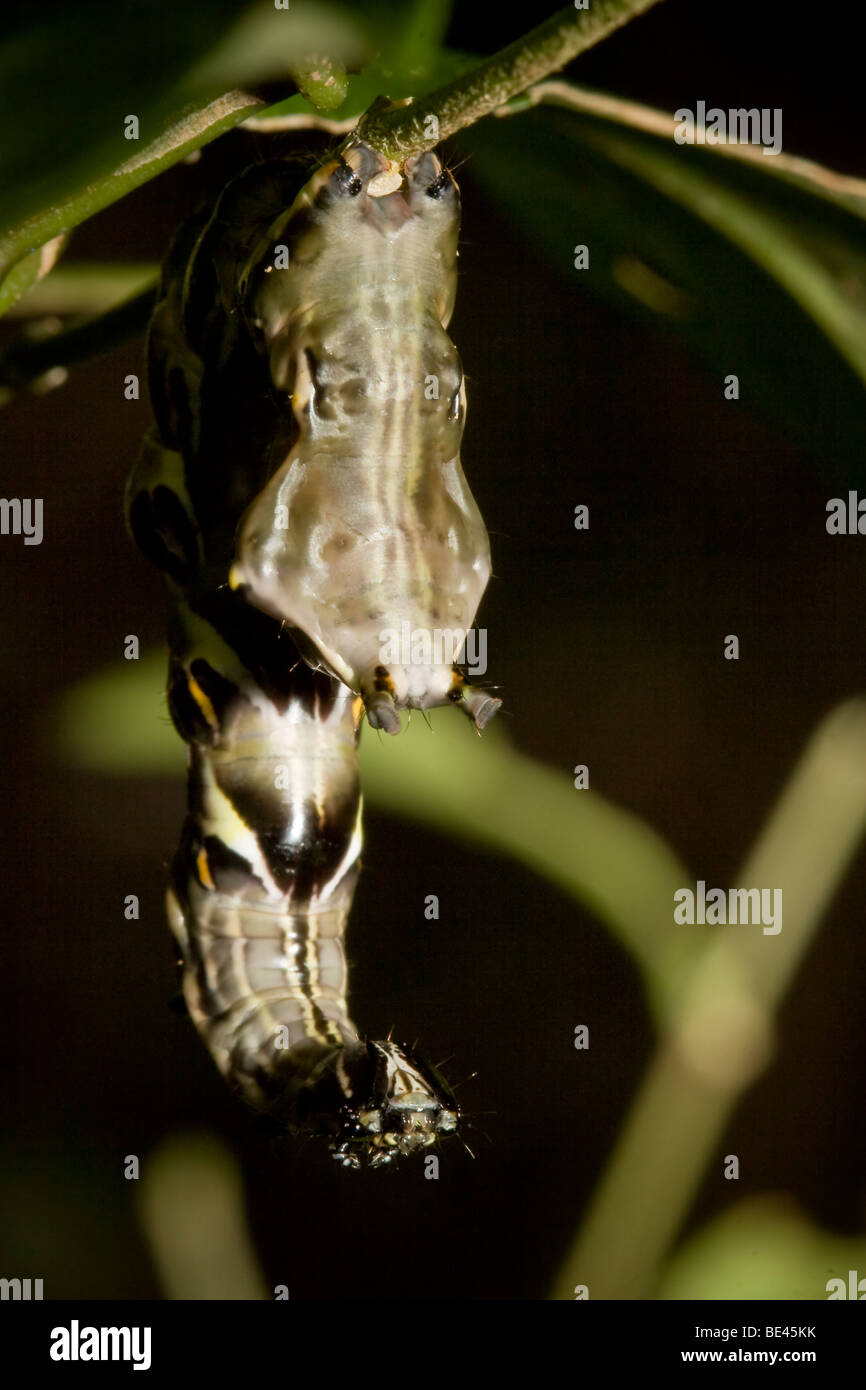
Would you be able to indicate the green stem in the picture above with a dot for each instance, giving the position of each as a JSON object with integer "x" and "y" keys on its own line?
{"x": 86, "y": 288}
{"x": 185, "y": 136}
{"x": 322, "y": 80}
{"x": 724, "y": 1034}
{"x": 191, "y": 1211}
{"x": 400, "y": 132}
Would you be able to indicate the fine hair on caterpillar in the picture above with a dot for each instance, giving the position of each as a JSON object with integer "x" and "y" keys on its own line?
{"x": 373, "y": 1101}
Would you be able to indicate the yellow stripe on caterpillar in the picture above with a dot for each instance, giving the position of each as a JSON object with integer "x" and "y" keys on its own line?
{"x": 203, "y": 702}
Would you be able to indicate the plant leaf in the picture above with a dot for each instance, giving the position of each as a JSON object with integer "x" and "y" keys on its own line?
{"x": 761, "y": 1248}
{"x": 759, "y": 263}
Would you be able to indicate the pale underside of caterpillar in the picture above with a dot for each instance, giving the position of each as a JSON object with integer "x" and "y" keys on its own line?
{"x": 265, "y": 873}
{"x": 367, "y": 528}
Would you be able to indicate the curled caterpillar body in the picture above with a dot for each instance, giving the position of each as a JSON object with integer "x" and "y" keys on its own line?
{"x": 368, "y": 526}
{"x": 263, "y": 880}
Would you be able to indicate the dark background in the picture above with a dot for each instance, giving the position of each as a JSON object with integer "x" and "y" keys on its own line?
{"x": 608, "y": 649}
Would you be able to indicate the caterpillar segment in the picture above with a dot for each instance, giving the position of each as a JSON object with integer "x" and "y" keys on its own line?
{"x": 367, "y": 527}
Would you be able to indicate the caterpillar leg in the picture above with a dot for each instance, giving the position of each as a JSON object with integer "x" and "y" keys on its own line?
{"x": 380, "y": 702}
{"x": 477, "y": 705}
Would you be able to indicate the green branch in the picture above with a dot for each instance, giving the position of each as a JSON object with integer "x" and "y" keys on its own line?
{"x": 399, "y": 132}
{"x": 724, "y": 1033}
{"x": 19, "y": 246}
{"x": 191, "y": 1212}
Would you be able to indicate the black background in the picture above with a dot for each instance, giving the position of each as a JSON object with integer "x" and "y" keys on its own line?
{"x": 608, "y": 649}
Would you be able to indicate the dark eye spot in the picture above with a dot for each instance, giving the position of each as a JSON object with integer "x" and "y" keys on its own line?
{"x": 439, "y": 185}
{"x": 347, "y": 181}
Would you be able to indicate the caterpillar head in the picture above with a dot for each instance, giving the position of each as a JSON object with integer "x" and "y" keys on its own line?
{"x": 379, "y": 1101}
{"x": 352, "y": 207}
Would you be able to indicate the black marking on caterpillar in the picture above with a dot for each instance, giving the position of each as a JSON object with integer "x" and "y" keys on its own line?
{"x": 264, "y": 875}
{"x": 367, "y": 526}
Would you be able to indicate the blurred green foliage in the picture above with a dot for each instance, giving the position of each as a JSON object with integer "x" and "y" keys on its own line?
{"x": 705, "y": 243}
{"x": 763, "y": 1248}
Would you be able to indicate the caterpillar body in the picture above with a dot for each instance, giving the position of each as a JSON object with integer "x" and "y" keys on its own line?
{"x": 367, "y": 526}
{"x": 263, "y": 879}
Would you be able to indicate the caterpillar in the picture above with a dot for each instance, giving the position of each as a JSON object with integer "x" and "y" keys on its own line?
{"x": 264, "y": 876}
{"x": 367, "y": 528}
